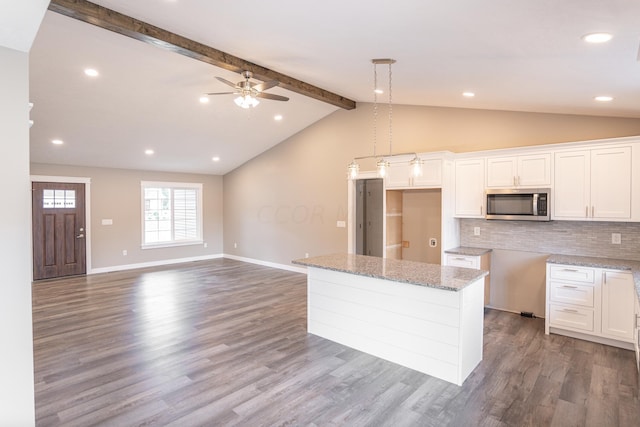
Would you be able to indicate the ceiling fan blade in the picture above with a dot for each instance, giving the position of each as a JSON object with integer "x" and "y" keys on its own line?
{"x": 266, "y": 85}
{"x": 271, "y": 96}
{"x": 227, "y": 82}
{"x": 221, "y": 93}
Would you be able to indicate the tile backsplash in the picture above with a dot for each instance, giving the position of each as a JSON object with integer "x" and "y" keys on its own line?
{"x": 555, "y": 237}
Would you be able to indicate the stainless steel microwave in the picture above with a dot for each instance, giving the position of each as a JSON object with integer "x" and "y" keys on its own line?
{"x": 531, "y": 204}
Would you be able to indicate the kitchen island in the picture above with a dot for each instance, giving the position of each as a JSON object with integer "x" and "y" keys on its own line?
{"x": 425, "y": 317}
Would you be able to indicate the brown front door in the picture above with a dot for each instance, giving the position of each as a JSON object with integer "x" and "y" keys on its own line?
{"x": 58, "y": 230}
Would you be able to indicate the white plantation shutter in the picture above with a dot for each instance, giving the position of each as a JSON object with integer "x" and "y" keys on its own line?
{"x": 171, "y": 214}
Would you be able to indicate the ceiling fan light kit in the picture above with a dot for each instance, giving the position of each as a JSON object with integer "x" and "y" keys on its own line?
{"x": 248, "y": 92}
{"x": 382, "y": 164}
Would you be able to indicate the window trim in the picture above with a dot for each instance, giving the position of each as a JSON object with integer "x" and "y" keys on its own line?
{"x": 199, "y": 220}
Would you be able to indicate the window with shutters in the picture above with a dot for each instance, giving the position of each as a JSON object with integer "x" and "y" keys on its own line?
{"x": 171, "y": 214}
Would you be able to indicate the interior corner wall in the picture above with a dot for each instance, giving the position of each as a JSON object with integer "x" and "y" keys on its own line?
{"x": 116, "y": 195}
{"x": 285, "y": 202}
{"x": 16, "y": 357}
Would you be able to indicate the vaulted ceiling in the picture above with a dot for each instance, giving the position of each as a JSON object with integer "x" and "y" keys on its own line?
{"x": 522, "y": 56}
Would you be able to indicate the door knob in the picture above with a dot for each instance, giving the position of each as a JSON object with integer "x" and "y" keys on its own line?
{"x": 79, "y": 236}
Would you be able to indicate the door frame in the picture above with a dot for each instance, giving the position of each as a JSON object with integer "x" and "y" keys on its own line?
{"x": 351, "y": 211}
{"x": 87, "y": 210}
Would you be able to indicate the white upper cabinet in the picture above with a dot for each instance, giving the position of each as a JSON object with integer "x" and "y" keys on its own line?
{"x": 519, "y": 171}
{"x": 469, "y": 188}
{"x": 592, "y": 184}
{"x": 400, "y": 175}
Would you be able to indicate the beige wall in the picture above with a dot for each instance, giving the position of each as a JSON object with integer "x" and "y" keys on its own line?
{"x": 115, "y": 194}
{"x": 285, "y": 202}
{"x": 422, "y": 221}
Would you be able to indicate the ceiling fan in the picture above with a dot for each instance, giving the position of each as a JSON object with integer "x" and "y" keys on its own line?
{"x": 248, "y": 93}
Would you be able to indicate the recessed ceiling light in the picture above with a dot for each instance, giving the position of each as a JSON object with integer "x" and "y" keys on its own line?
{"x": 378, "y": 91}
{"x": 215, "y": 159}
{"x": 603, "y": 98}
{"x": 149, "y": 152}
{"x": 277, "y": 117}
{"x": 57, "y": 141}
{"x": 204, "y": 99}
{"x": 468, "y": 94}
{"x": 91, "y": 72}
{"x": 597, "y": 37}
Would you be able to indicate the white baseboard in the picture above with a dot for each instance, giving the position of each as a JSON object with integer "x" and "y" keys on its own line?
{"x": 287, "y": 267}
{"x": 152, "y": 264}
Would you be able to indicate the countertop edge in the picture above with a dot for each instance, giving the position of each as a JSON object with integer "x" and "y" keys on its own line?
{"x": 473, "y": 274}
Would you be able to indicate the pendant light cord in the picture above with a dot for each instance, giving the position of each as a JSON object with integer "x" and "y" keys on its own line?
{"x": 375, "y": 107}
{"x": 390, "y": 115}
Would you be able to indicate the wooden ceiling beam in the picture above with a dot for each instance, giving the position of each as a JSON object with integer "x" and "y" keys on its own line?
{"x": 131, "y": 27}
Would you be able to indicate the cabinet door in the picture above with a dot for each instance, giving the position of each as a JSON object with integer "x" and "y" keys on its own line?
{"x": 501, "y": 172}
{"x": 611, "y": 183}
{"x": 469, "y": 193}
{"x": 398, "y": 175}
{"x": 534, "y": 170}
{"x": 431, "y": 174}
{"x": 618, "y": 298}
{"x": 636, "y": 335}
{"x": 571, "y": 190}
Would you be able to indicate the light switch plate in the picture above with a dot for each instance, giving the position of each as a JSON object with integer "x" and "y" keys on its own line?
{"x": 616, "y": 238}
{"x": 476, "y": 231}
{"x": 341, "y": 224}
{"x": 107, "y": 222}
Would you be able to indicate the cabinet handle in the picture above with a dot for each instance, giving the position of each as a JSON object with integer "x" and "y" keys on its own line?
{"x": 586, "y": 211}
{"x": 459, "y": 259}
{"x": 593, "y": 210}
{"x": 515, "y": 182}
{"x": 604, "y": 277}
{"x": 570, "y": 270}
{"x": 570, "y": 287}
{"x": 569, "y": 310}
{"x": 481, "y": 209}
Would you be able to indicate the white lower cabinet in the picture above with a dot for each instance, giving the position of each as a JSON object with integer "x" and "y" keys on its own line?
{"x": 637, "y": 334}
{"x": 591, "y": 303}
{"x": 478, "y": 262}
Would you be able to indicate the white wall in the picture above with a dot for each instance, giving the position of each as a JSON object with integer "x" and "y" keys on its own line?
{"x": 16, "y": 356}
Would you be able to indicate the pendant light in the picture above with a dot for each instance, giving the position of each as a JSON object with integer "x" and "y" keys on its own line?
{"x": 382, "y": 165}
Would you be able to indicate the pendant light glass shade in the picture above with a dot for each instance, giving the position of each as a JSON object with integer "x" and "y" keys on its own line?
{"x": 246, "y": 101}
{"x": 382, "y": 166}
{"x": 353, "y": 169}
{"x": 416, "y": 166}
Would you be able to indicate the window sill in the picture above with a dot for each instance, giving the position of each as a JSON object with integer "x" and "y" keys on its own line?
{"x": 172, "y": 244}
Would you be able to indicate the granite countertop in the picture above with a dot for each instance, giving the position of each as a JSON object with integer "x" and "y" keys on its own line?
{"x": 595, "y": 262}
{"x": 415, "y": 273}
{"x": 464, "y": 250}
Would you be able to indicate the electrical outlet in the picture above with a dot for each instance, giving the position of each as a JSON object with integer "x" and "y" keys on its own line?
{"x": 433, "y": 242}
{"x": 616, "y": 238}
{"x": 235, "y": 246}
{"x": 306, "y": 255}
{"x": 476, "y": 231}
{"x": 205, "y": 244}
{"x": 124, "y": 252}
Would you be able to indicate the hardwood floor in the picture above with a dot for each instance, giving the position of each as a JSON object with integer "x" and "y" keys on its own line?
{"x": 222, "y": 342}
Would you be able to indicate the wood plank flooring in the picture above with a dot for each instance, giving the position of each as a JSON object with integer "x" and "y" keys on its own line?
{"x": 224, "y": 343}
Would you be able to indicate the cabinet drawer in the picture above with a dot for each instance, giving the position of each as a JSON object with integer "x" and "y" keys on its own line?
{"x": 571, "y": 317}
{"x": 463, "y": 261}
{"x": 569, "y": 293}
{"x": 576, "y": 274}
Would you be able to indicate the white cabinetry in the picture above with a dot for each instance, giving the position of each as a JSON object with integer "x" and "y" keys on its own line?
{"x": 590, "y": 303}
{"x": 400, "y": 175}
{"x": 478, "y": 262}
{"x": 519, "y": 171}
{"x": 618, "y": 295}
{"x": 636, "y": 335}
{"x": 469, "y": 188}
{"x": 592, "y": 184}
